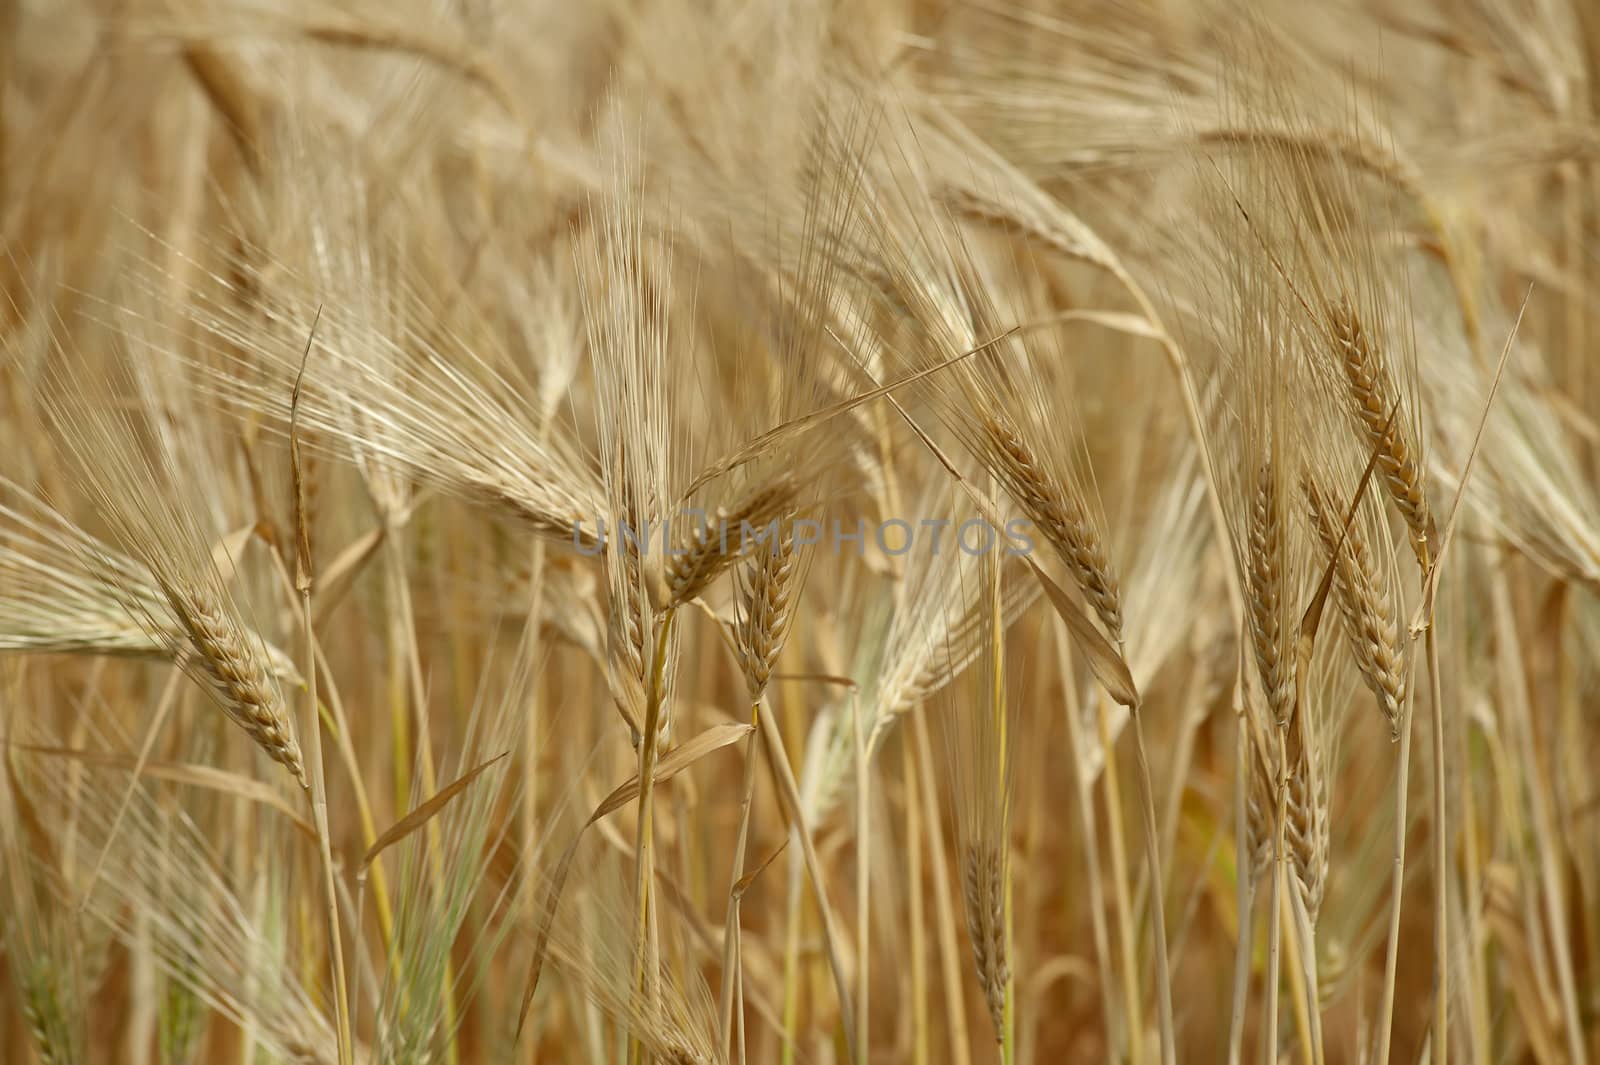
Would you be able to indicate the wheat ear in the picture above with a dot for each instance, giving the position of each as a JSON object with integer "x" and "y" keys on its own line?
{"x": 1372, "y": 390}
{"x": 715, "y": 547}
{"x": 1264, "y": 580}
{"x": 1063, "y": 520}
{"x": 1368, "y": 615}
{"x": 1306, "y": 817}
{"x": 768, "y": 608}
{"x": 233, "y": 668}
{"x": 984, "y": 893}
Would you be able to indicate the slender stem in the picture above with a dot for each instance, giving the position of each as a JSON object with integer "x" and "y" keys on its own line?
{"x": 919, "y": 947}
{"x": 1441, "y": 861}
{"x": 1119, "y": 872}
{"x": 528, "y": 1048}
{"x": 731, "y": 960}
{"x": 337, "y": 722}
{"x": 1157, "y": 895}
{"x": 950, "y": 958}
{"x": 1245, "y": 885}
{"x": 1397, "y": 889}
{"x": 791, "y": 958}
{"x": 319, "y": 805}
{"x": 645, "y": 968}
{"x": 738, "y": 1007}
{"x": 1274, "y": 944}
{"x": 357, "y": 908}
{"x": 399, "y": 699}
{"x": 1275, "y": 921}
{"x": 789, "y": 793}
{"x": 1299, "y": 997}
{"x": 369, "y": 828}
{"x": 1472, "y": 878}
{"x": 1310, "y": 986}
{"x": 863, "y": 884}
{"x": 1091, "y": 835}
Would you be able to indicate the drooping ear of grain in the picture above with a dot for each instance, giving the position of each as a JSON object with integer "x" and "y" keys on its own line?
{"x": 1306, "y": 828}
{"x": 1369, "y": 618}
{"x": 236, "y": 674}
{"x": 1062, "y": 520}
{"x": 1374, "y": 398}
{"x": 983, "y": 894}
{"x": 145, "y": 482}
{"x": 723, "y": 538}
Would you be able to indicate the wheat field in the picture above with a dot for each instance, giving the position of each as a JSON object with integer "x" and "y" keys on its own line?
{"x": 799, "y": 531}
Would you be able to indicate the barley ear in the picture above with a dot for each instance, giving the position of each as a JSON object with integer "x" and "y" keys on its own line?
{"x": 1368, "y": 615}
{"x": 1372, "y": 392}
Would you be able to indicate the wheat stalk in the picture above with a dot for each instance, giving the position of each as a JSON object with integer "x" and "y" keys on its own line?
{"x": 768, "y": 600}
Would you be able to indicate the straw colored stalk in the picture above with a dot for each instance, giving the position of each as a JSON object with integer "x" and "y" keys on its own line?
{"x": 767, "y": 596}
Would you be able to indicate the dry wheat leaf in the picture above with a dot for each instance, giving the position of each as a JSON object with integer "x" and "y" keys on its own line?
{"x": 192, "y": 774}
{"x": 426, "y": 811}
